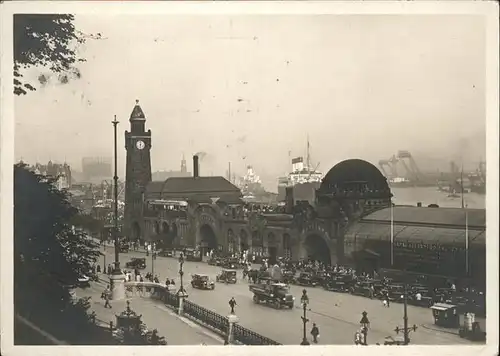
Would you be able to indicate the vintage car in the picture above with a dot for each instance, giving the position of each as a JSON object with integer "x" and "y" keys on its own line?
{"x": 288, "y": 276}
{"x": 230, "y": 263}
{"x": 201, "y": 281}
{"x": 336, "y": 284}
{"x": 192, "y": 255}
{"x": 83, "y": 281}
{"x": 124, "y": 247}
{"x": 361, "y": 289}
{"x": 396, "y": 292}
{"x": 167, "y": 252}
{"x": 214, "y": 261}
{"x": 136, "y": 263}
{"x": 226, "y": 276}
{"x": 274, "y": 294}
{"x": 306, "y": 279}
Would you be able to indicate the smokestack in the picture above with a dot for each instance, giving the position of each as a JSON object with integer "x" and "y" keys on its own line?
{"x": 196, "y": 167}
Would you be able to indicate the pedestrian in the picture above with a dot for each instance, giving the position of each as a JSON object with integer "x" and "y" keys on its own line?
{"x": 98, "y": 268}
{"x": 106, "y": 295}
{"x": 232, "y": 304}
{"x": 315, "y": 333}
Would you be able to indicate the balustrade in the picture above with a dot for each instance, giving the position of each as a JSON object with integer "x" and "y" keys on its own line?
{"x": 202, "y": 315}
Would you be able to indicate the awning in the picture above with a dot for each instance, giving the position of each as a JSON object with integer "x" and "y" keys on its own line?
{"x": 442, "y": 306}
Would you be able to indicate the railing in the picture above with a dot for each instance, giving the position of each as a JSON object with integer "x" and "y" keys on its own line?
{"x": 248, "y": 337}
{"x": 206, "y": 317}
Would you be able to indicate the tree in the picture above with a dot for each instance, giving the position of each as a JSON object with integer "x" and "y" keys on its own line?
{"x": 50, "y": 254}
{"x": 46, "y": 40}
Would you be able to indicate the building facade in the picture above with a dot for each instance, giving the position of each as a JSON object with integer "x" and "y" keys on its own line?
{"x": 208, "y": 213}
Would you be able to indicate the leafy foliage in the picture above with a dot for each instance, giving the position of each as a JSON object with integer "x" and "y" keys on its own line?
{"x": 46, "y": 40}
{"x": 50, "y": 254}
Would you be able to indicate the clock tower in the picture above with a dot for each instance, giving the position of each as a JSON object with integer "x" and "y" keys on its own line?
{"x": 138, "y": 172}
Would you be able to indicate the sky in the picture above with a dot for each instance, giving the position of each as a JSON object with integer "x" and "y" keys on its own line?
{"x": 250, "y": 89}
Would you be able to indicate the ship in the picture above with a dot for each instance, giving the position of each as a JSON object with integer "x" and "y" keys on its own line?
{"x": 252, "y": 189}
{"x": 304, "y": 179}
{"x": 478, "y": 179}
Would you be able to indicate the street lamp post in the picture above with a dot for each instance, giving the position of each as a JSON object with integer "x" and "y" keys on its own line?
{"x": 305, "y": 301}
{"x": 365, "y": 324}
{"x": 115, "y": 216}
{"x": 181, "y": 273}
{"x": 152, "y": 263}
{"x": 117, "y": 279}
{"x": 406, "y": 330}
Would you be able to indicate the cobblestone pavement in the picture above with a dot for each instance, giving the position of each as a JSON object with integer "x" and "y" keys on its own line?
{"x": 336, "y": 314}
{"x": 177, "y": 331}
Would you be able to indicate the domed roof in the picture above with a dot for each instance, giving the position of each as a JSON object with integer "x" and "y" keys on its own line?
{"x": 354, "y": 170}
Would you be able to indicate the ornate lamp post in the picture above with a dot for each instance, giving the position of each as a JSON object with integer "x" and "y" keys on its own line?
{"x": 181, "y": 293}
{"x": 365, "y": 324}
{"x": 181, "y": 274}
{"x": 117, "y": 279}
{"x": 406, "y": 330}
{"x": 305, "y": 302}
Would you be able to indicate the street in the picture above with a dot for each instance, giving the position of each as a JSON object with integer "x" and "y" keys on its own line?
{"x": 336, "y": 314}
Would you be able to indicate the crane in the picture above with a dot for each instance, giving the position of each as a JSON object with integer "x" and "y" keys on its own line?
{"x": 411, "y": 167}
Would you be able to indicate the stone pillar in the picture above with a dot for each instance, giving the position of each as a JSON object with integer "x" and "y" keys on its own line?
{"x": 233, "y": 319}
{"x": 182, "y": 295}
{"x": 117, "y": 282}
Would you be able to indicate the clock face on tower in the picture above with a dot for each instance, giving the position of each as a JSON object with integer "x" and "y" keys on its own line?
{"x": 140, "y": 145}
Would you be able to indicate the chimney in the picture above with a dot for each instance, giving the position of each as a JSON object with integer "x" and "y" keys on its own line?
{"x": 196, "y": 167}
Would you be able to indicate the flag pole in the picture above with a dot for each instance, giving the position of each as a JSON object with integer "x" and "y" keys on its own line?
{"x": 392, "y": 234}
{"x": 466, "y": 242}
{"x": 462, "y": 184}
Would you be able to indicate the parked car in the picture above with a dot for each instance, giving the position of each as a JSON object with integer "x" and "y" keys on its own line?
{"x": 230, "y": 263}
{"x": 306, "y": 279}
{"x": 202, "y": 281}
{"x": 166, "y": 253}
{"x": 226, "y": 276}
{"x": 139, "y": 263}
{"x": 124, "y": 247}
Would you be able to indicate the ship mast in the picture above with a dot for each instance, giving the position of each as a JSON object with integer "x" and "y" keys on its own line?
{"x": 307, "y": 154}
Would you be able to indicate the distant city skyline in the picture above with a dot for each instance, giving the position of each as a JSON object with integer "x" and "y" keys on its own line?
{"x": 250, "y": 89}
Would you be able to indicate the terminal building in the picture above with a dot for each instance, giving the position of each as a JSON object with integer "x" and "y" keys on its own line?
{"x": 352, "y": 220}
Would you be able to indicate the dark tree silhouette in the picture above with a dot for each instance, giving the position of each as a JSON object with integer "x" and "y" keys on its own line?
{"x": 50, "y": 254}
{"x": 46, "y": 40}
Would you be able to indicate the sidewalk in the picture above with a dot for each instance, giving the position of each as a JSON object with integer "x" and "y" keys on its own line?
{"x": 176, "y": 330}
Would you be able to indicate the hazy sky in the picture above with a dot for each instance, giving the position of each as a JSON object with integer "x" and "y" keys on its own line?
{"x": 248, "y": 89}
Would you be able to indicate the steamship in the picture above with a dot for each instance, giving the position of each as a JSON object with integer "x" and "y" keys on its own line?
{"x": 303, "y": 178}
{"x": 251, "y": 185}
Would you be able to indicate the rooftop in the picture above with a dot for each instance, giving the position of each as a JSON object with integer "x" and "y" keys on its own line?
{"x": 430, "y": 216}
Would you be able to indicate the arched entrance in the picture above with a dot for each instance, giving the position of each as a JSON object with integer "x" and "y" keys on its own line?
{"x": 174, "y": 231}
{"x": 136, "y": 231}
{"x": 317, "y": 249}
{"x": 208, "y": 239}
{"x": 243, "y": 240}
{"x": 165, "y": 228}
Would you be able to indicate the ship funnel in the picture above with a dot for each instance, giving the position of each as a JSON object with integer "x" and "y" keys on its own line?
{"x": 196, "y": 166}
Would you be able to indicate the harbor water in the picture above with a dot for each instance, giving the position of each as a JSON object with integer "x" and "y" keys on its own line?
{"x": 430, "y": 195}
